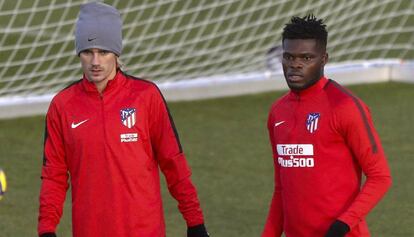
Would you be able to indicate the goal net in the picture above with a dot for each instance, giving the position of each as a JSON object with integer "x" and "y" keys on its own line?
{"x": 177, "y": 42}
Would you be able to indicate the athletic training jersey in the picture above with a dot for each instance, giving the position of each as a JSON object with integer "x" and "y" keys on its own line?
{"x": 111, "y": 146}
{"x": 322, "y": 139}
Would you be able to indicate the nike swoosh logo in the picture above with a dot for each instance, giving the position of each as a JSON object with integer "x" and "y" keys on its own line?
{"x": 279, "y": 123}
{"x": 90, "y": 39}
{"x": 75, "y": 125}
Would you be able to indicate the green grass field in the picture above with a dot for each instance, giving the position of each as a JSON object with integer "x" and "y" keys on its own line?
{"x": 175, "y": 40}
{"x": 226, "y": 144}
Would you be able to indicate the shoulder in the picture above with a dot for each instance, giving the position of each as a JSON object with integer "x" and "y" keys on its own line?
{"x": 280, "y": 102}
{"x": 340, "y": 97}
{"x": 66, "y": 94}
{"x": 347, "y": 108}
{"x": 277, "y": 105}
{"x": 142, "y": 85}
{"x": 145, "y": 89}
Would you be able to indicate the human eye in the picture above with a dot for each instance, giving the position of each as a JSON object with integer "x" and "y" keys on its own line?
{"x": 86, "y": 51}
{"x": 104, "y": 52}
{"x": 287, "y": 57}
{"x": 307, "y": 57}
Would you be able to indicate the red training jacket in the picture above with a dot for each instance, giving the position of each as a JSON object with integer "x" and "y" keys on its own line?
{"x": 111, "y": 147}
{"x": 322, "y": 139}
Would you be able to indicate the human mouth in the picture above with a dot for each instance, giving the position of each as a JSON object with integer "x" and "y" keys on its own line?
{"x": 95, "y": 71}
{"x": 294, "y": 77}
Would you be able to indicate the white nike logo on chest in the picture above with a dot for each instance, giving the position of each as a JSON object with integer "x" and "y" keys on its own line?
{"x": 75, "y": 125}
{"x": 279, "y": 123}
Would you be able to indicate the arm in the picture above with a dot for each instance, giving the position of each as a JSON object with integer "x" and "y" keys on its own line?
{"x": 362, "y": 139}
{"x": 173, "y": 164}
{"x": 54, "y": 176}
{"x": 274, "y": 222}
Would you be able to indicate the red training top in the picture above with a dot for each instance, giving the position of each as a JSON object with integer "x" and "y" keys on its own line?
{"x": 111, "y": 146}
{"x": 322, "y": 139}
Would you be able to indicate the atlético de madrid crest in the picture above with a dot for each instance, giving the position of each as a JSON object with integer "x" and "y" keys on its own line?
{"x": 128, "y": 117}
{"x": 312, "y": 122}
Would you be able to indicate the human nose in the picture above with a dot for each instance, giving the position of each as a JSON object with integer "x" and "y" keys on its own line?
{"x": 295, "y": 63}
{"x": 95, "y": 59}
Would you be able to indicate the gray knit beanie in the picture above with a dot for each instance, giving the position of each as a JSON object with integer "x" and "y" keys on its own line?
{"x": 98, "y": 26}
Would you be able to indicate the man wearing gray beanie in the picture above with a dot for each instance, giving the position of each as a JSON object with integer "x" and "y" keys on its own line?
{"x": 109, "y": 133}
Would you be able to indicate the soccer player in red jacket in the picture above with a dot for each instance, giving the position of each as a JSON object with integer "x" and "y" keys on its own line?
{"x": 323, "y": 139}
{"x": 108, "y": 133}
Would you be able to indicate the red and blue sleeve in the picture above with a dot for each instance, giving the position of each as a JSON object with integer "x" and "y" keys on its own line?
{"x": 169, "y": 154}
{"x": 362, "y": 139}
{"x": 274, "y": 222}
{"x": 54, "y": 175}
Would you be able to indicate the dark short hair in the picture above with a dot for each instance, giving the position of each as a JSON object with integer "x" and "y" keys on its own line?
{"x": 308, "y": 27}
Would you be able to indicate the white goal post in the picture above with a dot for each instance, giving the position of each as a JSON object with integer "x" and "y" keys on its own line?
{"x": 198, "y": 49}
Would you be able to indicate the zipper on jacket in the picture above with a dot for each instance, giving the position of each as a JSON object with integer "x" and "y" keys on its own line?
{"x": 295, "y": 118}
{"x": 101, "y": 99}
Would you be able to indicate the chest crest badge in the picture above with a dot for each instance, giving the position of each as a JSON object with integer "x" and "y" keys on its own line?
{"x": 128, "y": 117}
{"x": 312, "y": 122}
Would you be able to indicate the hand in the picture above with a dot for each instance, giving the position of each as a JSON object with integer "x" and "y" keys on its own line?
{"x": 48, "y": 235}
{"x": 197, "y": 231}
{"x": 338, "y": 229}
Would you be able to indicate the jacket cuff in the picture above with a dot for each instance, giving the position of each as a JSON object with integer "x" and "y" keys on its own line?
{"x": 49, "y": 234}
{"x": 351, "y": 221}
{"x": 338, "y": 228}
{"x": 197, "y": 231}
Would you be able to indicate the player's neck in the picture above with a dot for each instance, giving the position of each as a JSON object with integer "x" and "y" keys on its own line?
{"x": 101, "y": 85}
